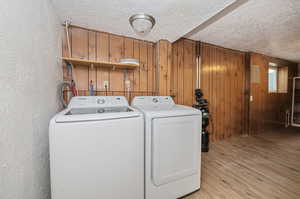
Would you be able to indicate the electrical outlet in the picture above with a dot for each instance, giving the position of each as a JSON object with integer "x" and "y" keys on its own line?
{"x": 105, "y": 84}
{"x": 127, "y": 84}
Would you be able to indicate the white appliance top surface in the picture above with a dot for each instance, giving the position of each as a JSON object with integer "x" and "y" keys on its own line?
{"x": 92, "y": 108}
{"x": 161, "y": 106}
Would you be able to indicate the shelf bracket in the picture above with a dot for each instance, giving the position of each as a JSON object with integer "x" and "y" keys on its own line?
{"x": 92, "y": 66}
{"x": 114, "y": 67}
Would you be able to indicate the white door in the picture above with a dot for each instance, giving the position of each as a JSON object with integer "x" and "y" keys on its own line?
{"x": 175, "y": 148}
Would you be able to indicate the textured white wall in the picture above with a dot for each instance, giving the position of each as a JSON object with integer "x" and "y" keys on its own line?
{"x": 29, "y": 75}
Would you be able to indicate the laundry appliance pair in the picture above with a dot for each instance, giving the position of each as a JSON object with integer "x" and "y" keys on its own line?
{"x": 100, "y": 147}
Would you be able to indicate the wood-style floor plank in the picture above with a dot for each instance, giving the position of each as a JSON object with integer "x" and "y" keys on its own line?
{"x": 264, "y": 166}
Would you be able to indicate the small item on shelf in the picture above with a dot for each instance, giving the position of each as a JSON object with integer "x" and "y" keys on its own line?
{"x": 91, "y": 88}
{"x": 73, "y": 88}
{"x": 129, "y": 61}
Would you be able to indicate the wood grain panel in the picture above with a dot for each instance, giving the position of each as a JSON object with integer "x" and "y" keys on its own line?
{"x": 163, "y": 67}
{"x": 188, "y": 75}
{"x": 116, "y": 52}
{"x": 101, "y": 46}
{"x": 128, "y": 52}
{"x": 180, "y": 83}
{"x": 164, "y": 61}
{"x": 222, "y": 79}
{"x": 80, "y": 43}
{"x": 269, "y": 108}
{"x": 144, "y": 66}
{"x": 174, "y": 77}
{"x": 80, "y": 50}
{"x": 136, "y": 74}
{"x": 92, "y": 56}
{"x": 151, "y": 67}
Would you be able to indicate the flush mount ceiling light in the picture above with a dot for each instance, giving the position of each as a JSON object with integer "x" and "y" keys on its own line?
{"x": 142, "y": 23}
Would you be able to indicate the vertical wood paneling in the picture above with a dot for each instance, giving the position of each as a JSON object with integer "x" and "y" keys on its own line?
{"x": 222, "y": 81}
{"x": 151, "y": 67}
{"x": 164, "y": 56}
{"x": 116, "y": 53}
{"x": 144, "y": 67}
{"x": 136, "y": 74}
{"x": 80, "y": 43}
{"x": 180, "y": 83}
{"x": 92, "y": 56}
{"x": 188, "y": 76}
{"x": 80, "y": 50}
{"x": 128, "y": 52}
{"x": 95, "y": 45}
{"x": 268, "y": 108}
{"x": 102, "y": 46}
{"x": 163, "y": 67}
{"x": 174, "y": 78}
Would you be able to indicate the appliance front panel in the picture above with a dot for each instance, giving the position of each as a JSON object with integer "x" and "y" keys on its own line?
{"x": 175, "y": 148}
{"x": 98, "y": 159}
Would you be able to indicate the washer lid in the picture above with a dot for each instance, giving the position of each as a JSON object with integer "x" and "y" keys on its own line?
{"x": 96, "y": 114}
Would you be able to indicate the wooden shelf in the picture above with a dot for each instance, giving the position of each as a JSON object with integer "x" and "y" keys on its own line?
{"x": 94, "y": 63}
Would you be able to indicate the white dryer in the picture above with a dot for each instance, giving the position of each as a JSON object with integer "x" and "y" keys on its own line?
{"x": 172, "y": 147}
{"x": 96, "y": 150}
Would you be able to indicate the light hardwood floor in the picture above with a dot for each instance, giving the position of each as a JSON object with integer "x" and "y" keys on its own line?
{"x": 263, "y": 166}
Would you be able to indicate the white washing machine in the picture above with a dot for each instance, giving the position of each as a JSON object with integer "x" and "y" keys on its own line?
{"x": 96, "y": 150}
{"x": 172, "y": 147}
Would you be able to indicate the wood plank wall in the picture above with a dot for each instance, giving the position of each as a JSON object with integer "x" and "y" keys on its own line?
{"x": 222, "y": 79}
{"x": 267, "y": 108}
{"x": 184, "y": 67}
{"x": 171, "y": 69}
{"x": 101, "y": 46}
{"x": 164, "y": 67}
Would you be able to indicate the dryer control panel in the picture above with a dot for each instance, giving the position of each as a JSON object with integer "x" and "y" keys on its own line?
{"x": 152, "y": 100}
{"x": 97, "y": 101}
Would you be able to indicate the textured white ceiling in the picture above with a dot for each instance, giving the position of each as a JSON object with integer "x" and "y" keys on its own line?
{"x": 271, "y": 27}
{"x": 174, "y": 18}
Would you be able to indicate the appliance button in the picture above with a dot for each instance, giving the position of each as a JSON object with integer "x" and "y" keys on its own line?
{"x": 100, "y": 101}
{"x": 155, "y": 100}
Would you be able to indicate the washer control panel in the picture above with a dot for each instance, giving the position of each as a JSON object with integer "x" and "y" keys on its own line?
{"x": 97, "y": 101}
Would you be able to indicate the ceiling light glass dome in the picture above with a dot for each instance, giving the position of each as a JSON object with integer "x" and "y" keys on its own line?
{"x": 142, "y": 23}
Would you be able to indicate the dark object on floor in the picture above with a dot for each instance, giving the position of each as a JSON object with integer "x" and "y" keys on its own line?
{"x": 203, "y": 107}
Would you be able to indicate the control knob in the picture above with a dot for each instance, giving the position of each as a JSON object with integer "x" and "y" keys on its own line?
{"x": 100, "y": 101}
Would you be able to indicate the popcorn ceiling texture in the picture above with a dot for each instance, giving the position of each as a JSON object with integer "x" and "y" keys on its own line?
{"x": 30, "y": 71}
{"x": 174, "y": 18}
{"x": 270, "y": 27}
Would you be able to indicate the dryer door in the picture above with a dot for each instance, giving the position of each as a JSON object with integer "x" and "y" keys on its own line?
{"x": 175, "y": 148}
